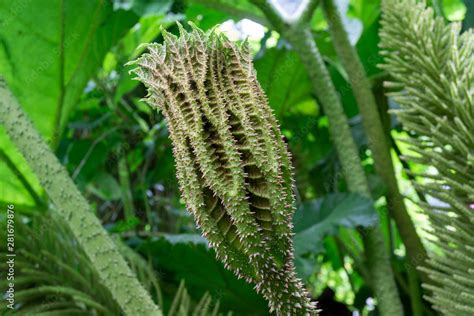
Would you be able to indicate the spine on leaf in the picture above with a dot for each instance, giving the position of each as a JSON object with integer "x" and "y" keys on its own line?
{"x": 232, "y": 165}
{"x": 432, "y": 69}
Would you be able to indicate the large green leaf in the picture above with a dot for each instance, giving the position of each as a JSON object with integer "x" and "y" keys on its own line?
{"x": 284, "y": 80}
{"x": 48, "y": 52}
{"x": 187, "y": 257}
{"x": 369, "y": 51}
{"x": 321, "y": 217}
{"x": 289, "y": 91}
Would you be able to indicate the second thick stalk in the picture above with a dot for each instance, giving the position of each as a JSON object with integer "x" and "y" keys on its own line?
{"x": 378, "y": 142}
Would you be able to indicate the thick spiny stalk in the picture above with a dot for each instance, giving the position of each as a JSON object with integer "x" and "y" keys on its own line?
{"x": 112, "y": 270}
{"x": 232, "y": 165}
{"x": 432, "y": 67}
{"x": 378, "y": 142}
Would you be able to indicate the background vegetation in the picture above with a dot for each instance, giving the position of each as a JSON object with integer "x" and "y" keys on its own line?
{"x": 65, "y": 63}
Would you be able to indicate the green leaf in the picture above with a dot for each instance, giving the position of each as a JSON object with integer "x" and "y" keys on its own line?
{"x": 147, "y": 29}
{"x": 122, "y": 226}
{"x": 48, "y": 52}
{"x": 88, "y": 158}
{"x": 106, "y": 187}
{"x": 368, "y": 49}
{"x": 187, "y": 257}
{"x": 69, "y": 44}
{"x": 306, "y": 107}
{"x": 321, "y": 217}
{"x": 11, "y": 188}
{"x": 284, "y": 79}
{"x": 344, "y": 89}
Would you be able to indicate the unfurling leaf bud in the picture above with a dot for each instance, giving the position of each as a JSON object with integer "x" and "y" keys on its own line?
{"x": 232, "y": 165}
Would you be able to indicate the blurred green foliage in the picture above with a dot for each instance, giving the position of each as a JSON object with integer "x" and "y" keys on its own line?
{"x": 64, "y": 61}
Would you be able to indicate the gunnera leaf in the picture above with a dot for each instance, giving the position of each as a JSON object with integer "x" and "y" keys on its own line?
{"x": 232, "y": 165}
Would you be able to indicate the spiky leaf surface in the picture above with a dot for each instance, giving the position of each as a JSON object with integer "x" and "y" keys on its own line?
{"x": 232, "y": 165}
{"x": 433, "y": 70}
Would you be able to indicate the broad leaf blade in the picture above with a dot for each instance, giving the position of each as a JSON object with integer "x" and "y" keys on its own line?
{"x": 284, "y": 80}
{"x": 48, "y": 52}
{"x": 187, "y": 257}
{"x": 321, "y": 217}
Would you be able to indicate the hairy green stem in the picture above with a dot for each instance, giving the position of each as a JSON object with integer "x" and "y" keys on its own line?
{"x": 405, "y": 288}
{"x": 112, "y": 269}
{"x": 378, "y": 142}
{"x": 415, "y": 292}
{"x": 300, "y": 37}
